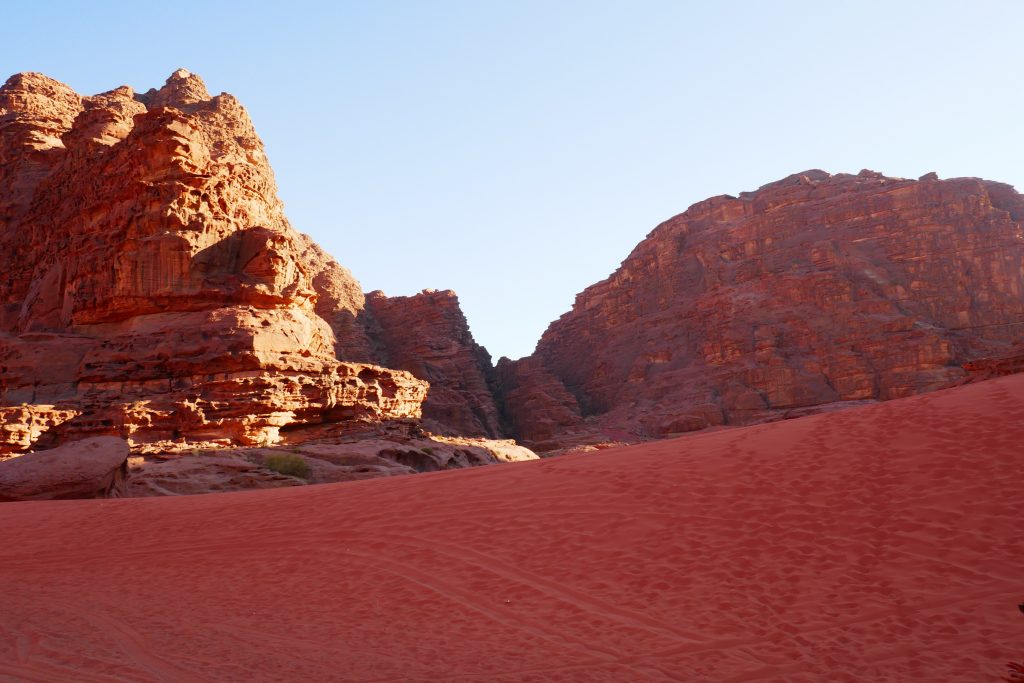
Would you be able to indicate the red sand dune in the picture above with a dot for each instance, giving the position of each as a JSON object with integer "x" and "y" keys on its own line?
{"x": 877, "y": 544}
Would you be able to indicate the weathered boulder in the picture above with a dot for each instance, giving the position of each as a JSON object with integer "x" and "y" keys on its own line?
{"x": 90, "y": 468}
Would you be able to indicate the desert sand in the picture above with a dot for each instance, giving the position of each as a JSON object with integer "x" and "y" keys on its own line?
{"x": 875, "y": 544}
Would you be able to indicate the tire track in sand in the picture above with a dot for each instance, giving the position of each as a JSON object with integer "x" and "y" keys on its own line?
{"x": 136, "y": 648}
{"x": 578, "y": 599}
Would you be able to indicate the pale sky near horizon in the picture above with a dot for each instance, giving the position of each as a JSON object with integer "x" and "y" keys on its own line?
{"x": 517, "y": 151}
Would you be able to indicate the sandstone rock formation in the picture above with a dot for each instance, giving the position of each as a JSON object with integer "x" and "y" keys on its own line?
{"x": 427, "y": 335}
{"x": 536, "y": 403}
{"x": 340, "y": 302}
{"x": 151, "y": 286}
{"x": 90, "y": 468}
{"x": 207, "y": 471}
{"x": 1010, "y": 363}
{"x": 816, "y": 289}
{"x": 330, "y": 452}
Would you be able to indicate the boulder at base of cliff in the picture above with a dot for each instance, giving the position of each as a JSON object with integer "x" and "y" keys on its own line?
{"x": 90, "y": 468}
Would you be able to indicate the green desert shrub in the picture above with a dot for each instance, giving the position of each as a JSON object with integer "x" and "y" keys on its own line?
{"x": 286, "y": 463}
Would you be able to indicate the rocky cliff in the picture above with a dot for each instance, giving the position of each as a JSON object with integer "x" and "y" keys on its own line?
{"x": 427, "y": 335}
{"x": 814, "y": 290}
{"x": 151, "y": 286}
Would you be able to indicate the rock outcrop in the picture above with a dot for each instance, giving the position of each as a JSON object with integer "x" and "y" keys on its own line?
{"x": 151, "y": 286}
{"x": 90, "y": 468}
{"x": 536, "y": 403}
{"x": 326, "y": 453}
{"x": 428, "y": 336}
{"x": 814, "y": 290}
{"x": 1010, "y": 363}
{"x": 340, "y": 302}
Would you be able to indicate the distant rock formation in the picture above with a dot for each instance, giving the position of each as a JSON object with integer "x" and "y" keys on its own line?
{"x": 427, "y": 335}
{"x": 152, "y": 288}
{"x": 814, "y": 290}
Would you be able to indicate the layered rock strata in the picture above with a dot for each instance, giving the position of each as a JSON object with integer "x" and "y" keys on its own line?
{"x": 427, "y": 335}
{"x": 1011, "y": 363}
{"x": 814, "y": 290}
{"x": 152, "y": 288}
{"x": 151, "y": 285}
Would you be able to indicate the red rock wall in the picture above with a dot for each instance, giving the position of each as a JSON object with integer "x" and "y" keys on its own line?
{"x": 812, "y": 290}
{"x": 340, "y": 301}
{"x": 428, "y": 336}
{"x": 535, "y": 403}
{"x": 150, "y": 284}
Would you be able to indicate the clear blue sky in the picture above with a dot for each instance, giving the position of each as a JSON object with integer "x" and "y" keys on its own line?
{"x": 516, "y": 151}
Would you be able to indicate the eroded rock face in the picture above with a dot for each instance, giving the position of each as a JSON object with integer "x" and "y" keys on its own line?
{"x": 340, "y": 301}
{"x": 427, "y": 335}
{"x": 813, "y": 290}
{"x": 151, "y": 286}
{"x": 1010, "y": 363}
{"x": 24, "y": 426}
{"x": 89, "y": 468}
{"x": 537, "y": 404}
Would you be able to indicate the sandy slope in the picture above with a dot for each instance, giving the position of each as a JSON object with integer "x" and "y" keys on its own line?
{"x": 878, "y": 544}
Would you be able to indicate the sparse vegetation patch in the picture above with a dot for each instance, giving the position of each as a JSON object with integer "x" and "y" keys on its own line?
{"x": 288, "y": 464}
